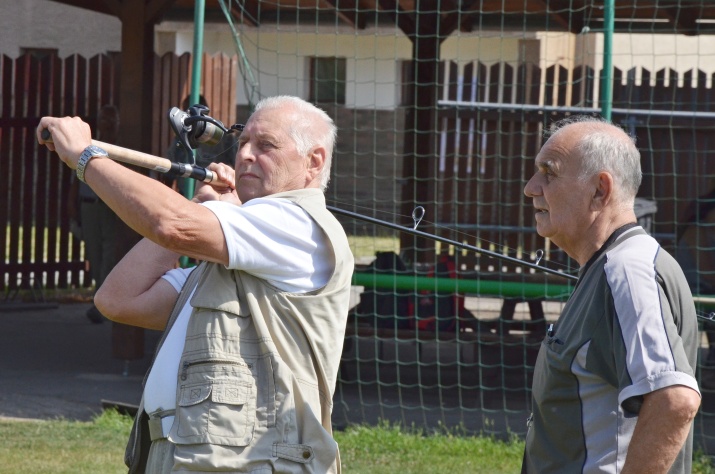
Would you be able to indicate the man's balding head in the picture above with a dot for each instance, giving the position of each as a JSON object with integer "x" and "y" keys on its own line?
{"x": 604, "y": 146}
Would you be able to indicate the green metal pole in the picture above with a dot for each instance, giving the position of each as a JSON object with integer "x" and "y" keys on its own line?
{"x": 451, "y": 285}
{"x": 199, "y": 9}
{"x": 606, "y": 96}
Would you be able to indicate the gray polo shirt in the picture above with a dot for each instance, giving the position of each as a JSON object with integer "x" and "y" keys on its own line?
{"x": 628, "y": 329}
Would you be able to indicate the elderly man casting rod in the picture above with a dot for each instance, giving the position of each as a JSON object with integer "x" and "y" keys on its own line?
{"x": 244, "y": 377}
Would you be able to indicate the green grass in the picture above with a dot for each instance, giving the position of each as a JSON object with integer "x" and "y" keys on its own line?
{"x": 703, "y": 464}
{"x": 97, "y": 447}
{"x": 62, "y": 446}
{"x": 389, "y": 449}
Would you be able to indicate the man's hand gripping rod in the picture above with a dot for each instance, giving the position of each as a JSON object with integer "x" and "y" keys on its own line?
{"x": 155, "y": 163}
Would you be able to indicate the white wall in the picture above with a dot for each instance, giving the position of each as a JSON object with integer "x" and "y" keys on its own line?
{"x": 682, "y": 53}
{"x": 279, "y": 57}
{"x": 490, "y": 47}
{"x": 639, "y": 51}
{"x": 46, "y": 24}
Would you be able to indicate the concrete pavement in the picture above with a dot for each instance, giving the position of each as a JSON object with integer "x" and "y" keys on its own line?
{"x": 55, "y": 363}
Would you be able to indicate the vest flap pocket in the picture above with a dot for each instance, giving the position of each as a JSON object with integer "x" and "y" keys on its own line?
{"x": 220, "y": 411}
{"x": 193, "y": 394}
{"x": 231, "y": 393}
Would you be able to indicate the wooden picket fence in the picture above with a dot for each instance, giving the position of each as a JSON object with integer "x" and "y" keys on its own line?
{"x": 490, "y": 122}
{"x": 38, "y": 250}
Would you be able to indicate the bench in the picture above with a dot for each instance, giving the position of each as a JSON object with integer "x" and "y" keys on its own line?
{"x": 511, "y": 288}
{"x": 492, "y": 354}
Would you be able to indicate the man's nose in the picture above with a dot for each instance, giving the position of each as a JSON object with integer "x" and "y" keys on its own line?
{"x": 530, "y": 187}
{"x": 245, "y": 153}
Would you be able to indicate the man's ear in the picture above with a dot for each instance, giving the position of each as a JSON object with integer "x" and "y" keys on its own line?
{"x": 603, "y": 193}
{"x": 315, "y": 163}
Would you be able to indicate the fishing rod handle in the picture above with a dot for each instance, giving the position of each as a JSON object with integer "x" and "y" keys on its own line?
{"x": 151, "y": 162}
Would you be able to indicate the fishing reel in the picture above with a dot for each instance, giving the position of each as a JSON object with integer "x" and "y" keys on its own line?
{"x": 195, "y": 127}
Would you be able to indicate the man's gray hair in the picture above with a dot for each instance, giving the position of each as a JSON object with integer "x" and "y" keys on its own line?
{"x": 306, "y": 130}
{"x": 607, "y": 147}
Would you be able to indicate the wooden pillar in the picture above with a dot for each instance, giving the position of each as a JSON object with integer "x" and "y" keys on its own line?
{"x": 427, "y": 27}
{"x": 136, "y": 84}
{"x": 137, "y": 76}
{"x": 420, "y": 158}
{"x": 420, "y": 162}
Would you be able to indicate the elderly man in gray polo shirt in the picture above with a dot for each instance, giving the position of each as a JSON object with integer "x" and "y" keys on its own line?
{"x": 614, "y": 387}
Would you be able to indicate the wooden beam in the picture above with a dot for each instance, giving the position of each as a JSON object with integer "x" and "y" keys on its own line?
{"x": 247, "y": 12}
{"x": 405, "y": 22}
{"x": 155, "y": 9}
{"x": 136, "y": 90}
{"x": 114, "y": 6}
{"x": 349, "y": 12}
{"x": 137, "y": 71}
{"x": 561, "y": 17}
{"x": 454, "y": 20}
{"x": 419, "y": 165}
{"x": 684, "y": 24}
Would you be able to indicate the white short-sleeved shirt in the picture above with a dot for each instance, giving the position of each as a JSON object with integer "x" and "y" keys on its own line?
{"x": 273, "y": 239}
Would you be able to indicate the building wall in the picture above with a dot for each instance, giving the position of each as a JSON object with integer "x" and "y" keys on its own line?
{"x": 46, "y": 24}
{"x": 278, "y": 55}
{"x": 640, "y": 51}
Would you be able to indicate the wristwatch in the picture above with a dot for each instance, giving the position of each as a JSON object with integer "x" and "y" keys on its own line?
{"x": 90, "y": 152}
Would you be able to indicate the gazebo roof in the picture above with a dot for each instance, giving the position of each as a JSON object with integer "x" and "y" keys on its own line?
{"x": 689, "y": 17}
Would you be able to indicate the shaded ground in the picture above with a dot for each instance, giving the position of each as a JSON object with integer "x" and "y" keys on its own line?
{"x": 56, "y": 363}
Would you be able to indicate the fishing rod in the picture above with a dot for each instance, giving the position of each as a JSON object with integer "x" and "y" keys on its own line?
{"x": 705, "y": 300}
{"x": 417, "y": 216}
{"x": 194, "y": 127}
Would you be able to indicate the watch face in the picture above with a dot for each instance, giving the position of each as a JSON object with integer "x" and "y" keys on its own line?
{"x": 96, "y": 151}
{"x": 88, "y": 153}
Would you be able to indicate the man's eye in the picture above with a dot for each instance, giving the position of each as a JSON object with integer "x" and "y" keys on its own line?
{"x": 548, "y": 172}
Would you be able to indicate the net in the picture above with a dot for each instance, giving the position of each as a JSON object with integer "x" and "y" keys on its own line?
{"x": 443, "y": 109}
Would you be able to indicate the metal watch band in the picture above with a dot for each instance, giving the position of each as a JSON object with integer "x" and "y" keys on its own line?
{"x": 90, "y": 152}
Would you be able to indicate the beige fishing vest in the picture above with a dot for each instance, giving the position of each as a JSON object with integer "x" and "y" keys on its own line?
{"x": 259, "y": 367}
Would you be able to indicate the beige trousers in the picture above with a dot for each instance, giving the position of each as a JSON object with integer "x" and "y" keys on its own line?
{"x": 161, "y": 457}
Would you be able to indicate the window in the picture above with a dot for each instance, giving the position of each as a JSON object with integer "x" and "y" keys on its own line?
{"x": 406, "y": 83}
{"x": 327, "y": 80}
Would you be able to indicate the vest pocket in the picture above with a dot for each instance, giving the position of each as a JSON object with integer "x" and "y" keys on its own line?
{"x": 219, "y": 411}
